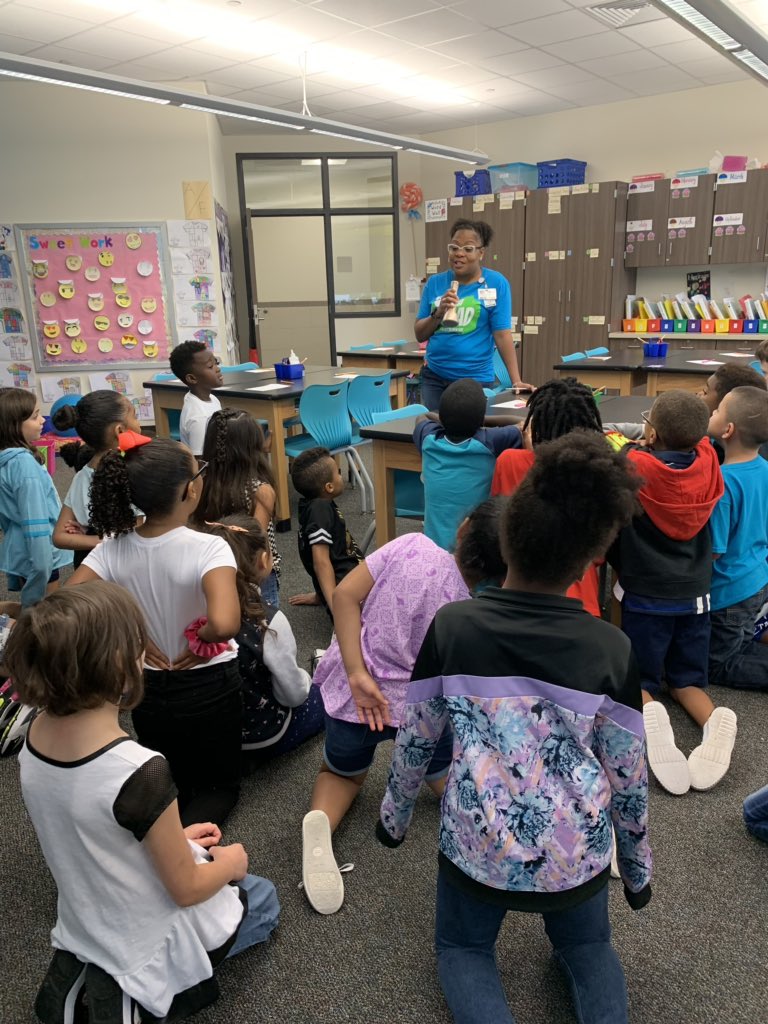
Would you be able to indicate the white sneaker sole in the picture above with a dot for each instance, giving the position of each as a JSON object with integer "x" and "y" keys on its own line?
{"x": 322, "y": 879}
{"x": 710, "y": 761}
{"x": 668, "y": 764}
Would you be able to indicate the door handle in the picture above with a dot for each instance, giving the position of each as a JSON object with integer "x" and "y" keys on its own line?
{"x": 658, "y": 251}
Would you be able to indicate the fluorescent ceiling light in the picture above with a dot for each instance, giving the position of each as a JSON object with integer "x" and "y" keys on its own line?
{"x": 355, "y": 138}
{"x": 753, "y": 62}
{"x": 220, "y": 112}
{"x": 702, "y": 23}
{"x": 81, "y": 85}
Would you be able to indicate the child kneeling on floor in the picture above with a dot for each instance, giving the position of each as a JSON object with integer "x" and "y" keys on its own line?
{"x": 382, "y": 611}
{"x": 148, "y": 902}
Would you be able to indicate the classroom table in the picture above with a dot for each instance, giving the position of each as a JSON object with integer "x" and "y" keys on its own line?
{"x": 628, "y": 369}
{"x": 393, "y": 448}
{"x": 275, "y": 405}
{"x": 384, "y": 357}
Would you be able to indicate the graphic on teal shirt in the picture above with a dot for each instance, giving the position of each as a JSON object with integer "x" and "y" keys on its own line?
{"x": 468, "y": 313}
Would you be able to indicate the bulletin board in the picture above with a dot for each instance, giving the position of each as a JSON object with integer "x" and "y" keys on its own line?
{"x": 98, "y": 295}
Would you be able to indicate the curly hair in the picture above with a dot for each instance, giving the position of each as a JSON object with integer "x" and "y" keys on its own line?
{"x": 478, "y": 552}
{"x": 78, "y": 649}
{"x": 248, "y": 541}
{"x": 149, "y": 477}
{"x": 560, "y": 406}
{"x": 734, "y": 375}
{"x": 182, "y": 358}
{"x": 92, "y": 417}
{"x": 680, "y": 420}
{"x": 234, "y": 450}
{"x": 16, "y": 406}
{"x": 311, "y": 471}
{"x": 483, "y": 231}
{"x": 462, "y": 408}
{"x": 578, "y": 494}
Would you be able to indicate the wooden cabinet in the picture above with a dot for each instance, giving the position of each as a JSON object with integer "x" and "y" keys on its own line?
{"x": 546, "y": 229}
{"x": 740, "y": 219}
{"x": 689, "y": 220}
{"x": 647, "y": 213}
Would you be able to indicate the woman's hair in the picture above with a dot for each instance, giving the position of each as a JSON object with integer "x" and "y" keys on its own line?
{"x": 478, "y": 552}
{"x": 92, "y": 417}
{"x": 234, "y": 451}
{"x": 78, "y": 649}
{"x": 483, "y": 231}
{"x": 568, "y": 509}
{"x": 16, "y": 405}
{"x": 248, "y": 541}
{"x": 560, "y": 406}
{"x": 148, "y": 477}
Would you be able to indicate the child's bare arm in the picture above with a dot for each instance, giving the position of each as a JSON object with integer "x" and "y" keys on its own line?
{"x": 348, "y": 598}
{"x": 69, "y": 540}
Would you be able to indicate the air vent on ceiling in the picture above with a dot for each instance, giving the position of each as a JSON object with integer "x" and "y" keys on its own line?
{"x": 618, "y": 13}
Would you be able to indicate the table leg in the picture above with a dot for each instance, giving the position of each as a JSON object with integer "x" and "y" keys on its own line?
{"x": 384, "y": 493}
{"x": 162, "y": 426}
{"x": 401, "y": 398}
{"x": 276, "y": 413}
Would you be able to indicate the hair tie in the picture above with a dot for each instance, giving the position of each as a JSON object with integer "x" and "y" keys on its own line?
{"x": 129, "y": 439}
{"x": 224, "y": 526}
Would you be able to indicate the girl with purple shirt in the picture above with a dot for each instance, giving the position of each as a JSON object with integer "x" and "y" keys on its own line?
{"x": 382, "y": 611}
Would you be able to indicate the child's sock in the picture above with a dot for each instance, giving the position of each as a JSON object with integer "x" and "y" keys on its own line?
{"x": 667, "y": 763}
{"x": 709, "y": 762}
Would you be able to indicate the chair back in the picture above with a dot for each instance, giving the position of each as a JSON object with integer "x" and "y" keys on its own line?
{"x": 757, "y": 366}
{"x": 324, "y": 414}
{"x": 601, "y": 351}
{"x": 165, "y": 376}
{"x": 572, "y": 357}
{"x": 361, "y": 348}
{"x": 174, "y": 423}
{"x": 368, "y": 395}
{"x": 501, "y": 371}
{"x": 394, "y": 344}
{"x": 399, "y": 414}
{"x": 240, "y": 368}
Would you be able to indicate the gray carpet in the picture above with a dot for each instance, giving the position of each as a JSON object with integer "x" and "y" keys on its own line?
{"x": 696, "y": 955}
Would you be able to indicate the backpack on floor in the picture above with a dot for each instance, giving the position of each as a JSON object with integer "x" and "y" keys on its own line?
{"x": 15, "y": 719}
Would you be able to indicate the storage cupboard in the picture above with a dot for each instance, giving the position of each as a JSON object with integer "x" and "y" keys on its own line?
{"x": 740, "y": 219}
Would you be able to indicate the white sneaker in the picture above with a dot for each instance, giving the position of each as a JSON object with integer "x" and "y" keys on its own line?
{"x": 323, "y": 883}
{"x": 710, "y": 760}
{"x": 667, "y": 763}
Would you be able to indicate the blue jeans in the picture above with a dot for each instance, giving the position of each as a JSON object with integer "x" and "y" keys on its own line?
{"x": 432, "y": 388}
{"x": 262, "y": 915}
{"x": 466, "y": 930}
{"x": 270, "y": 590}
{"x": 735, "y": 658}
{"x": 350, "y": 748}
{"x": 756, "y": 814}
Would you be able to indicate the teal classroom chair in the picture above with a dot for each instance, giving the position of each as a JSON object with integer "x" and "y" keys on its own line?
{"x": 324, "y": 413}
{"x": 501, "y": 372}
{"x": 240, "y": 368}
{"x": 361, "y": 348}
{"x": 394, "y": 344}
{"x": 601, "y": 351}
{"x": 572, "y": 357}
{"x": 367, "y": 396}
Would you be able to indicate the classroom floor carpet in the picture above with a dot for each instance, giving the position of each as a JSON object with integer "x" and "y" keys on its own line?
{"x": 695, "y": 955}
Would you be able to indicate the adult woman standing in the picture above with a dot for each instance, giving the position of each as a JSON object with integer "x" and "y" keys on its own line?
{"x": 464, "y": 347}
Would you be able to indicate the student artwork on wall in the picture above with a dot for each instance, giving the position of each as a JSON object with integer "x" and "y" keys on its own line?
{"x": 194, "y": 285}
{"x": 227, "y": 282}
{"x": 16, "y": 362}
{"x": 98, "y": 296}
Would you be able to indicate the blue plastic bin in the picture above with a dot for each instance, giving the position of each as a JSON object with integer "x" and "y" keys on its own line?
{"x": 289, "y": 371}
{"x": 511, "y": 177}
{"x": 473, "y": 183}
{"x": 561, "y": 172}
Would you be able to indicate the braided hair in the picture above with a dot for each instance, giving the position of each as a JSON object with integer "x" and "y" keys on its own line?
{"x": 560, "y": 406}
{"x": 149, "y": 477}
{"x": 248, "y": 540}
{"x": 234, "y": 451}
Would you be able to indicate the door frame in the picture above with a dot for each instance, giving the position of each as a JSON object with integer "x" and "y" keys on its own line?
{"x": 327, "y": 213}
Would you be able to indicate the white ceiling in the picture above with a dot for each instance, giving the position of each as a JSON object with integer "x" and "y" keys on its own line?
{"x": 403, "y": 66}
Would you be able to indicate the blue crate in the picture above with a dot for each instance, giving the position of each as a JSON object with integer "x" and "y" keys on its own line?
{"x": 561, "y": 172}
{"x": 473, "y": 183}
{"x": 511, "y": 177}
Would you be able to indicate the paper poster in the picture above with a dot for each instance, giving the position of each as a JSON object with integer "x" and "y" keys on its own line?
{"x": 435, "y": 210}
{"x": 699, "y": 282}
{"x": 688, "y": 181}
{"x": 731, "y": 177}
{"x": 412, "y": 290}
{"x": 193, "y": 287}
{"x": 189, "y": 234}
{"x": 53, "y": 387}
{"x": 197, "y": 314}
{"x": 18, "y": 374}
{"x": 636, "y": 187}
{"x": 191, "y": 261}
{"x": 723, "y": 219}
{"x": 639, "y": 225}
{"x": 15, "y": 346}
{"x": 115, "y": 380}
{"x": 98, "y": 296}
{"x": 673, "y": 223}
{"x": 227, "y": 282}
{"x": 143, "y": 407}
{"x": 198, "y": 201}
{"x": 7, "y": 241}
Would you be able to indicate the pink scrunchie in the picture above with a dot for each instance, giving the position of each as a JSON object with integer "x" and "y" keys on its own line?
{"x": 200, "y": 647}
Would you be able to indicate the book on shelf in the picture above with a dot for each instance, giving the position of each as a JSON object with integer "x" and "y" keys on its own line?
{"x": 761, "y": 307}
{"x": 701, "y": 306}
{"x": 679, "y": 314}
{"x": 732, "y": 308}
{"x": 746, "y": 304}
{"x": 629, "y": 306}
{"x": 716, "y": 310}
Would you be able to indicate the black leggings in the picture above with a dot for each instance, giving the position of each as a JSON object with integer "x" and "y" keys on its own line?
{"x": 195, "y": 719}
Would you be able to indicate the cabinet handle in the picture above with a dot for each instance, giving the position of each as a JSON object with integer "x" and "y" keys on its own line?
{"x": 569, "y": 294}
{"x": 658, "y": 251}
{"x": 757, "y": 247}
{"x": 559, "y": 294}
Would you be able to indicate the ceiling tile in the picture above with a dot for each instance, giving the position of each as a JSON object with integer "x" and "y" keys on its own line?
{"x": 82, "y": 9}
{"x": 525, "y": 60}
{"x": 495, "y": 89}
{"x": 342, "y": 99}
{"x": 564, "y": 75}
{"x": 108, "y": 42}
{"x": 755, "y": 11}
{"x": 216, "y": 88}
{"x": 248, "y": 76}
{"x": 374, "y": 12}
{"x": 684, "y": 50}
{"x": 494, "y": 13}
{"x": 429, "y": 29}
{"x": 76, "y": 58}
{"x": 460, "y": 75}
{"x": 672, "y": 80}
{"x": 714, "y": 72}
{"x": 232, "y": 50}
{"x": 638, "y": 60}
{"x": 272, "y": 95}
{"x": 308, "y": 22}
{"x": 425, "y": 61}
{"x": 370, "y": 42}
{"x": 143, "y": 73}
{"x": 606, "y": 44}
{"x": 184, "y": 61}
{"x": 586, "y": 94}
{"x": 165, "y": 27}
{"x": 16, "y": 44}
{"x": 555, "y": 28}
{"x": 384, "y": 111}
{"x": 29, "y": 23}
{"x": 479, "y": 46}
{"x": 542, "y": 104}
{"x": 657, "y": 33}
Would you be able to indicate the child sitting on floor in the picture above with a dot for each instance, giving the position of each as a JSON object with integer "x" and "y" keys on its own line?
{"x": 146, "y": 901}
{"x": 739, "y": 528}
{"x": 382, "y": 611}
{"x": 196, "y": 366}
{"x": 459, "y": 448}
{"x": 281, "y": 708}
{"x": 544, "y": 702}
{"x": 326, "y": 547}
{"x": 664, "y": 564}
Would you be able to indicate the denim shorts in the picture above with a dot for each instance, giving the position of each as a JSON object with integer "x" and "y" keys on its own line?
{"x": 350, "y": 747}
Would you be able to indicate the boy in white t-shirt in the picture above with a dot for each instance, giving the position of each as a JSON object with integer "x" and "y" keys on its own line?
{"x": 196, "y": 366}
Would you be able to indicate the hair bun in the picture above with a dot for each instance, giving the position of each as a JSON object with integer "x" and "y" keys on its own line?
{"x": 65, "y": 418}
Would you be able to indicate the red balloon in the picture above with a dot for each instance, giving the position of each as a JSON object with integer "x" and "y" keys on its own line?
{"x": 411, "y": 196}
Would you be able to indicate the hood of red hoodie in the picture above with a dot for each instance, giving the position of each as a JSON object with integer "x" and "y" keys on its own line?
{"x": 679, "y": 501}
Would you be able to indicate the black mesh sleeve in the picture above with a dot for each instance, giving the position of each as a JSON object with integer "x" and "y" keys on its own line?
{"x": 144, "y": 796}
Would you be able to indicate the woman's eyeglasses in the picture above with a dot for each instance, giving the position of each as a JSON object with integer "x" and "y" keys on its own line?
{"x": 468, "y": 250}
{"x": 201, "y": 468}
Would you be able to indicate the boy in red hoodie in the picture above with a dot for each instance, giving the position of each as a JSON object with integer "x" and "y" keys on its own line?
{"x": 664, "y": 563}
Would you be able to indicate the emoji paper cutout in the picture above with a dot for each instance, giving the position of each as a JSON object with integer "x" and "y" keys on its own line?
{"x": 92, "y": 273}
{"x": 40, "y": 268}
{"x": 106, "y": 259}
{"x": 51, "y": 328}
{"x": 47, "y": 299}
{"x": 73, "y": 262}
{"x": 151, "y": 349}
{"x": 148, "y": 304}
{"x": 145, "y": 326}
{"x": 53, "y": 348}
{"x": 129, "y": 341}
{"x": 105, "y": 344}
{"x": 118, "y": 285}
{"x": 125, "y": 319}
{"x": 78, "y": 346}
{"x": 71, "y": 328}
{"x": 144, "y": 268}
{"x": 95, "y": 301}
{"x": 101, "y": 323}
{"x": 66, "y": 289}
{"x": 132, "y": 240}
{"x": 123, "y": 299}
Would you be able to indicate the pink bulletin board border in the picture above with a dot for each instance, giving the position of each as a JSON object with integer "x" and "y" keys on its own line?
{"x": 54, "y": 243}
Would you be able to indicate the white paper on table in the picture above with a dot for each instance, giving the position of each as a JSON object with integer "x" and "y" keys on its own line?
{"x": 346, "y": 376}
{"x": 738, "y": 355}
{"x": 380, "y": 348}
{"x": 705, "y": 362}
{"x": 261, "y": 369}
{"x": 599, "y": 359}
{"x": 269, "y": 387}
{"x": 516, "y": 403}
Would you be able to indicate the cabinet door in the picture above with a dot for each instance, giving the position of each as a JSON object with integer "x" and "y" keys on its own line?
{"x": 546, "y": 218}
{"x": 437, "y": 234}
{"x": 689, "y": 224}
{"x": 589, "y": 265}
{"x": 747, "y": 201}
{"x": 505, "y": 253}
{"x": 647, "y": 213}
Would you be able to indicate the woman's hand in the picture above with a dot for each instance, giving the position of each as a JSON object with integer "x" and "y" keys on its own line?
{"x": 447, "y": 301}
